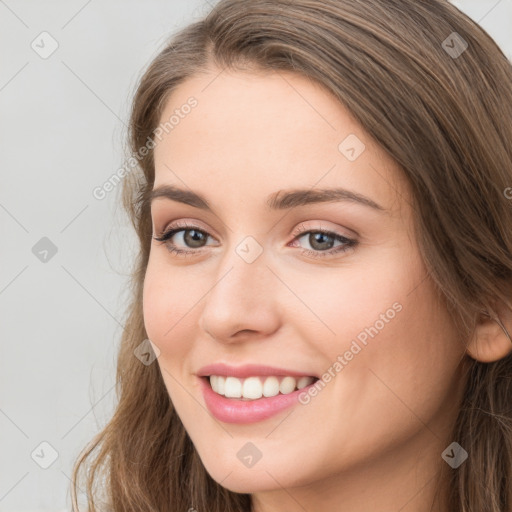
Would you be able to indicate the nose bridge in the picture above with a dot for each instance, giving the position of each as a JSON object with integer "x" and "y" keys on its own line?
{"x": 242, "y": 297}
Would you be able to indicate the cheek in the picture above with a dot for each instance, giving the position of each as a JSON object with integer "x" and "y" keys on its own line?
{"x": 353, "y": 308}
{"x": 154, "y": 305}
{"x": 393, "y": 342}
{"x": 166, "y": 305}
{"x": 405, "y": 369}
{"x": 169, "y": 322}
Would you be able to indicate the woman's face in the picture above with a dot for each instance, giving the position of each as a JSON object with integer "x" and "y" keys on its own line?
{"x": 259, "y": 285}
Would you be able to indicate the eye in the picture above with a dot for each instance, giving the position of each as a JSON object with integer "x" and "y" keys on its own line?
{"x": 190, "y": 236}
{"x": 322, "y": 241}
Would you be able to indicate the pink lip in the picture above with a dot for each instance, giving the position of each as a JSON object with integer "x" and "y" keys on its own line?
{"x": 233, "y": 410}
{"x": 248, "y": 370}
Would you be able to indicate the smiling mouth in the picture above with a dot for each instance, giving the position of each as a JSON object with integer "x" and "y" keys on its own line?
{"x": 254, "y": 388}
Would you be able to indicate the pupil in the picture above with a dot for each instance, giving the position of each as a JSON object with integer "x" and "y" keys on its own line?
{"x": 316, "y": 240}
{"x": 191, "y": 240}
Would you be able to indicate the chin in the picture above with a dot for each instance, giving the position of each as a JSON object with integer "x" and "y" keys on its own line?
{"x": 261, "y": 477}
{"x": 246, "y": 482}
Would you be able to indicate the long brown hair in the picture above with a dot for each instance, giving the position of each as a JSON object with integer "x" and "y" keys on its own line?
{"x": 444, "y": 114}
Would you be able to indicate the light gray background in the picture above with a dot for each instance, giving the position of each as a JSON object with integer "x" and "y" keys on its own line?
{"x": 62, "y": 123}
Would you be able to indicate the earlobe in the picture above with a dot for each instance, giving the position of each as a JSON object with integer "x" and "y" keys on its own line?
{"x": 491, "y": 340}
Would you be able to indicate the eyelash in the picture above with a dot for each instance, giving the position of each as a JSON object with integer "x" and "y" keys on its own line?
{"x": 348, "y": 243}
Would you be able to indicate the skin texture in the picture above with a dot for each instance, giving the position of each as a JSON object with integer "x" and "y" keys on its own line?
{"x": 372, "y": 438}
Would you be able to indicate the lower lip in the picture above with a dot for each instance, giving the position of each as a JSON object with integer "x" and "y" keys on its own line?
{"x": 232, "y": 410}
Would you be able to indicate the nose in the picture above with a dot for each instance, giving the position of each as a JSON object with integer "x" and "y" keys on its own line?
{"x": 243, "y": 302}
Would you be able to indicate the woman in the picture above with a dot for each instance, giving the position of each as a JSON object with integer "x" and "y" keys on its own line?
{"x": 325, "y": 271}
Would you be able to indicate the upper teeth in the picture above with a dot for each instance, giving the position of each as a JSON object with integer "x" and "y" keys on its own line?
{"x": 256, "y": 387}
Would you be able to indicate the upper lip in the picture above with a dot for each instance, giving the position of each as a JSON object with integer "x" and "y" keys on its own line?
{"x": 248, "y": 370}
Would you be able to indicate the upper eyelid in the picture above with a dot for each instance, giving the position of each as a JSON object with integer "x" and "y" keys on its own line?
{"x": 183, "y": 225}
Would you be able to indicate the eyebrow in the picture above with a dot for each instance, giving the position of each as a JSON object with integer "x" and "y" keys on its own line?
{"x": 280, "y": 200}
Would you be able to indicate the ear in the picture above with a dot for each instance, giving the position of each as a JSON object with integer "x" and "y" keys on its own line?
{"x": 489, "y": 342}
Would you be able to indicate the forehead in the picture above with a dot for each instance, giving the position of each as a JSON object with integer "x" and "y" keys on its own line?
{"x": 254, "y": 133}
